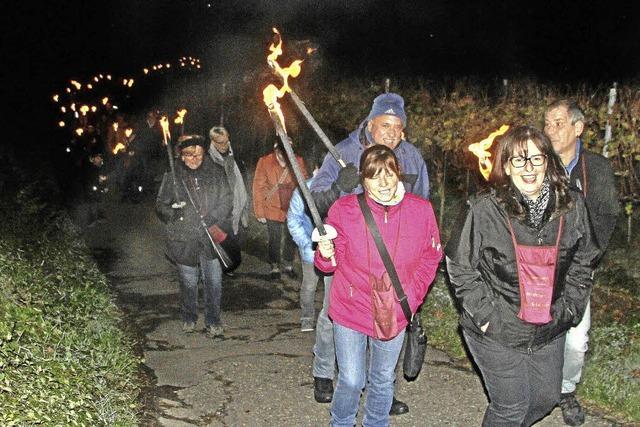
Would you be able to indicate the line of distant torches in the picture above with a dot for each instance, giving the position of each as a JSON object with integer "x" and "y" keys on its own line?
{"x": 83, "y": 110}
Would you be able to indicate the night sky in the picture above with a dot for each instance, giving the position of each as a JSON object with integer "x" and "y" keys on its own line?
{"x": 561, "y": 41}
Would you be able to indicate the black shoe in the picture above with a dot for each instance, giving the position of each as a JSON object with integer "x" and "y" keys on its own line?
{"x": 572, "y": 412}
{"x": 398, "y": 407}
{"x": 322, "y": 389}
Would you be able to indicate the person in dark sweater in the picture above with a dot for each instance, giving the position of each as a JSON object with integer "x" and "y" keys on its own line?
{"x": 592, "y": 174}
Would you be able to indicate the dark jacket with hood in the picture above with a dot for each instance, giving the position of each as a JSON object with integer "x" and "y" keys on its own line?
{"x": 483, "y": 273}
{"x": 186, "y": 238}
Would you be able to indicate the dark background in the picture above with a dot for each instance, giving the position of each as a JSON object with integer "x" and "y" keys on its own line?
{"x": 552, "y": 41}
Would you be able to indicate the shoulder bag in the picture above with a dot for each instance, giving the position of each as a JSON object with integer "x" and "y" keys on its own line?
{"x": 416, "y": 346}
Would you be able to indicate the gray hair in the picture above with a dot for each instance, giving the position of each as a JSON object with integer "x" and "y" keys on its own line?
{"x": 573, "y": 110}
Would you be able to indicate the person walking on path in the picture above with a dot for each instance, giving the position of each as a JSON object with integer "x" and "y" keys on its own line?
{"x": 300, "y": 227}
{"x": 221, "y": 153}
{"x": 520, "y": 261}
{"x": 593, "y": 175}
{"x": 384, "y": 125}
{"x": 200, "y": 180}
{"x": 368, "y": 320}
{"x": 273, "y": 185}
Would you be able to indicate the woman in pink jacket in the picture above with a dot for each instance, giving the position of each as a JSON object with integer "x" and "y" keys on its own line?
{"x": 408, "y": 228}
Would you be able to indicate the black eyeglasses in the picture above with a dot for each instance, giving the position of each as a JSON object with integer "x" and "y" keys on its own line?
{"x": 520, "y": 162}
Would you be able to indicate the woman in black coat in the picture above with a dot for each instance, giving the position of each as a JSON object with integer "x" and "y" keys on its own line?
{"x": 515, "y": 311}
{"x": 199, "y": 183}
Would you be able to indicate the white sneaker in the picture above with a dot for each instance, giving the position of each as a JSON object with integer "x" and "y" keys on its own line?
{"x": 215, "y": 331}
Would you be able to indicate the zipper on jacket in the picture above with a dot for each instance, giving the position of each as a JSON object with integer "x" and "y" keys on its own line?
{"x": 386, "y": 210}
{"x": 539, "y": 238}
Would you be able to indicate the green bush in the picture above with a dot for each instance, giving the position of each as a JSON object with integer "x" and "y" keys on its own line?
{"x": 63, "y": 358}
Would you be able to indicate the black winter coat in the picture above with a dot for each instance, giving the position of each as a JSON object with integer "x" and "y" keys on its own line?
{"x": 186, "y": 237}
{"x": 601, "y": 194}
{"x": 483, "y": 273}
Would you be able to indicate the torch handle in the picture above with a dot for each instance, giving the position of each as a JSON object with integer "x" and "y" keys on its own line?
{"x": 323, "y": 137}
{"x": 224, "y": 89}
{"x": 306, "y": 194}
{"x": 172, "y": 168}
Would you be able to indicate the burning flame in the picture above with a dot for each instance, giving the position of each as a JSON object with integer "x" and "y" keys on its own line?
{"x": 61, "y": 123}
{"x": 55, "y": 98}
{"x": 128, "y": 132}
{"x": 76, "y": 84}
{"x": 311, "y": 50}
{"x": 145, "y": 70}
{"x": 79, "y": 131}
{"x": 164, "y": 124}
{"x": 180, "y": 118}
{"x": 105, "y": 100}
{"x": 118, "y": 148}
{"x": 271, "y": 93}
{"x": 115, "y": 126}
{"x": 84, "y": 110}
{"x": 480, "y": 150}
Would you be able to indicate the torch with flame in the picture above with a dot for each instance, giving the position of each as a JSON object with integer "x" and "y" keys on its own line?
{"x": 271, "y": 94}
{"x": 480, "y": 150}
{"x": 179, "y": 120}
{"x": 118, "y": 148}
{"x": 166, "y": 138}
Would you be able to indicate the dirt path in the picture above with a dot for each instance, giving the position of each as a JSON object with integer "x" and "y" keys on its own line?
{"x": 260, "y": 373}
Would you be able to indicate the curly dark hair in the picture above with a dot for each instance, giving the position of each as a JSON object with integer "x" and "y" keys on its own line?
{"x": 515, "y": 142}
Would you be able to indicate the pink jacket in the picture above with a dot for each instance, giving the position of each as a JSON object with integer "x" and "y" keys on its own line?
{"x": 411, "y": 235}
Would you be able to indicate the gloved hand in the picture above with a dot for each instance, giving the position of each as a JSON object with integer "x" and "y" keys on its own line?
{"x": 348, "y": 178}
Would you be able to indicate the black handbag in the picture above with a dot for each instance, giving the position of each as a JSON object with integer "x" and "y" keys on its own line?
{"x": 416, "y": 347}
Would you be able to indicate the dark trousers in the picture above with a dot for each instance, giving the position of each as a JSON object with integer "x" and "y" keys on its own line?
{"x": 275, "y": 231}
{"x": 522, "y": 387}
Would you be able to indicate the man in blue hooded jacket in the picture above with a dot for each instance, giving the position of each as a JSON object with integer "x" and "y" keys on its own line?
{"x": 384, "y": 125}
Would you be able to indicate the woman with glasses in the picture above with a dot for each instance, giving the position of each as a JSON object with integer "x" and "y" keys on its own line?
{"x": 520, "y": 262}
{"x": 199, "y": 192}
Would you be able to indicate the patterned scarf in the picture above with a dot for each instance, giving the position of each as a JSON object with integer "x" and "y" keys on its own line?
{"x": 535, "y": 208}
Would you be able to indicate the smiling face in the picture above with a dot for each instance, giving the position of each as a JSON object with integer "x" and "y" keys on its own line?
{"x": 386, "y": 130}
{"x": 383, "y": 185}
{"x": 529, "y": 178}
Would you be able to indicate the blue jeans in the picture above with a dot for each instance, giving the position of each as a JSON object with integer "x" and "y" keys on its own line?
{"x": 522, "y": 387}
{"x": 308, "y": 291}
{"x": 210, "y": 272}
{"x": 324, "y": 361}
{"x": 351, "y": 352}
{"x": 575, "y": 347}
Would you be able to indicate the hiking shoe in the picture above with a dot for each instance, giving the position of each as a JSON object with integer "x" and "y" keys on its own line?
{"x": 306, "y": 325}
{"x": 214, "y": 331}
{"x": 289, "y": 271}
{"x": 188, "y": 327}
{"x": 572, "y": 412}
{"x": 398, "y": 407}
{"x": 322, "y": 389}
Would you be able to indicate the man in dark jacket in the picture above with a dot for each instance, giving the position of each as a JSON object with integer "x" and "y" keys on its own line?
{"x": 201, "y": 194}
{"x": 592, "y": 174}
{"x": 384, "y": 125}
